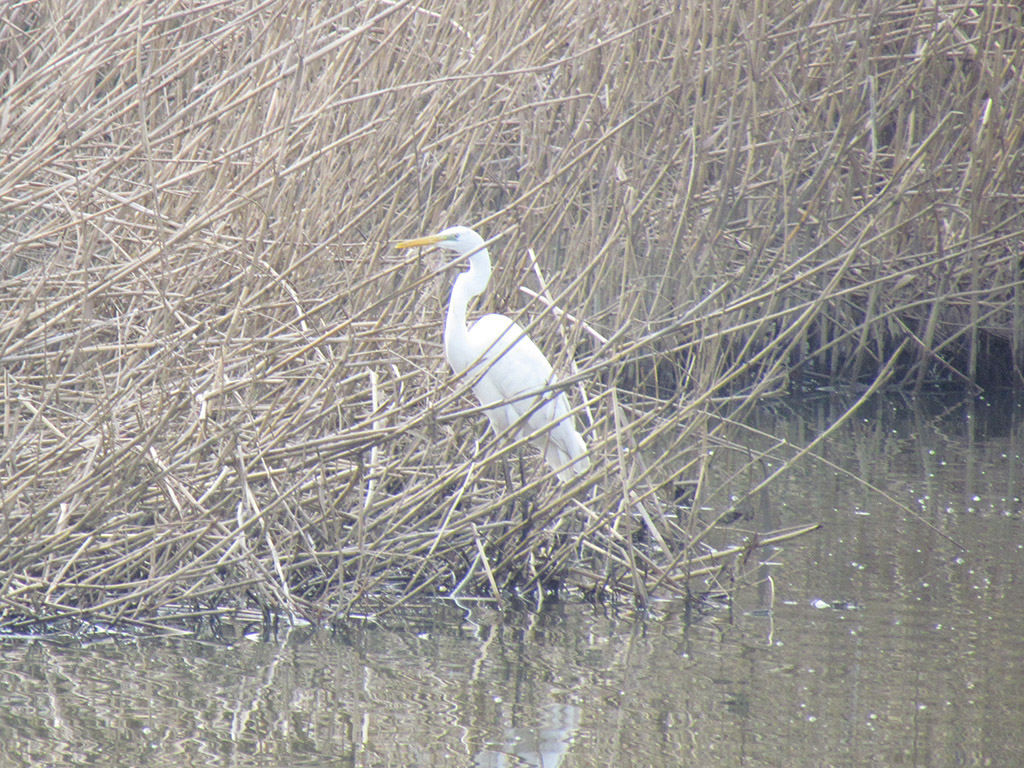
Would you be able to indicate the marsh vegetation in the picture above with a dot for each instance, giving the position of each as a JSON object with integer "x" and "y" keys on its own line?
{"x": 222, "y": 386}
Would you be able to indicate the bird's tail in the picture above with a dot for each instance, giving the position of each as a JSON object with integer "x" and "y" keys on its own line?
{"x": 566, "y": 451}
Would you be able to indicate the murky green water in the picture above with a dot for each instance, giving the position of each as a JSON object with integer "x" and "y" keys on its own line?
{"x": 875, "y": 641}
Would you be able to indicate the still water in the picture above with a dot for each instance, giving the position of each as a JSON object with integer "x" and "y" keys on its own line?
{"x": 874, "y": 641}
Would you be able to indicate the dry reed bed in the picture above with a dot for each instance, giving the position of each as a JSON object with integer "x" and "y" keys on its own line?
{"x": 222, "y": 385}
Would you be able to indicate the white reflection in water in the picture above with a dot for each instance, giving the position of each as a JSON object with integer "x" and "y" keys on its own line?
{"x": 543, "y": 747}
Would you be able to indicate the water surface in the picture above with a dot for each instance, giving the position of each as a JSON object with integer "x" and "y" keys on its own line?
{"x": 874, "y": 641}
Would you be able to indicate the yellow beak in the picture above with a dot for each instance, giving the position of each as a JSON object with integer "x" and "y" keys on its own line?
{"x": 428, "y": 240}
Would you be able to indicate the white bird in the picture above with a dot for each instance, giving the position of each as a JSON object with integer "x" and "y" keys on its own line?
{"x": 511, "y": 377}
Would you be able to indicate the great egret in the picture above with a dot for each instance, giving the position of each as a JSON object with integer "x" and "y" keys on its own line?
{"x": 511, "y": 377}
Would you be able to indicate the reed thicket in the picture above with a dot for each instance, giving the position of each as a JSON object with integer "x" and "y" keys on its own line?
{"x": 222, "y": 385}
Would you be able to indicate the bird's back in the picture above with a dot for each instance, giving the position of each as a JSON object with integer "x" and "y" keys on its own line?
{"x": 514, "y": 379}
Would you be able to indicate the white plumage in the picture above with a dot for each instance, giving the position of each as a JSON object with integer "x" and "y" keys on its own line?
{"x": 511, "y": 376}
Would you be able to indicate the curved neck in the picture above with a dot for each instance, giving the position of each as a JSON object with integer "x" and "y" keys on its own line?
{"x": 468, "y": 285}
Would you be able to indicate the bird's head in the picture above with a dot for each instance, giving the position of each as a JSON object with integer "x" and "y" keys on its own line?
{"x": 462, "y": 240}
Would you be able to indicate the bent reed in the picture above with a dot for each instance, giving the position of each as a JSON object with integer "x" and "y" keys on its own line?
{"x": 223, "y": 387}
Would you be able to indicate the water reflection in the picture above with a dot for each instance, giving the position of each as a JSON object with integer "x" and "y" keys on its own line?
{"x": 544, "y": 746}
{"x": 877, "y": 641}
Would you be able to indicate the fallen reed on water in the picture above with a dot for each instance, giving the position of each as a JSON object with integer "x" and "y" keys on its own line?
{"x": 222, "y": 385}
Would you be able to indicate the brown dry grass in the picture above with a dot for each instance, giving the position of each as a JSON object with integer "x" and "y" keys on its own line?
{"x": 222, "y": 384}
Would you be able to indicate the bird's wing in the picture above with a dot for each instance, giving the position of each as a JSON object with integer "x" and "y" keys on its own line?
{"x": 494, "y": 333}
{"x": 515, "y": 371}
